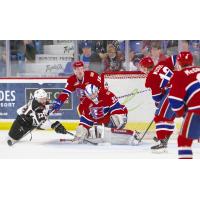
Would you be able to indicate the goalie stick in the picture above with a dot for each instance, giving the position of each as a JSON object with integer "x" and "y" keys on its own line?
{"x": 133, "y": 93}
{"x": 94, "y": 143}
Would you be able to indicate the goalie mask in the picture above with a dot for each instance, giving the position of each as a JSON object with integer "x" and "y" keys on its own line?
{"x": 40, "y": 96}
{"x": 91, "y": 91}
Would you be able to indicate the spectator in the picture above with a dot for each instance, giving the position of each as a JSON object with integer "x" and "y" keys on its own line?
{"x": 134, "y": 60}
{"x": 195, "y": 49}
{"x": 156, "y": 52}
{"x": 113, "y": 59}
{"x": 30, "y": 50}
{"x": 146, "y": 47}
{"x": 170, "y": 47}
{"x": 22, "y": 50}
{"x": 184, "y": 45}
{"x": 91, "y": 59}
{"x": 86, "y": 53}
{"x": 2, "y": 63}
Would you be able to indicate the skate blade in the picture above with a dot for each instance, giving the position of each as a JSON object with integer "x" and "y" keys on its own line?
{"x": 159, "y": 151}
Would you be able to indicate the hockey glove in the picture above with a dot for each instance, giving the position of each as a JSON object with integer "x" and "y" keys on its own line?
{"x": 57, "y": 104}
{"x": 58, "y": 127}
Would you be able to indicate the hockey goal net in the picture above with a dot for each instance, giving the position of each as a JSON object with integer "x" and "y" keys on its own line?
{"x": 130, "y": 89}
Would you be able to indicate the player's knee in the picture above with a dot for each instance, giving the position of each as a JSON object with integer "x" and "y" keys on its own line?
{"x": 17, "y": 131}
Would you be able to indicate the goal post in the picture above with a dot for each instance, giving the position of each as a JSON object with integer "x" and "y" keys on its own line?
{"x": 129, "y": 87}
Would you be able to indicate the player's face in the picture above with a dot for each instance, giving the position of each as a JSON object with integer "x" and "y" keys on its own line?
{"x": 43, "y": 101}
{"x": 79, "y": 72}
{"x": 112, "y": 53}
{"x": 93, "y": 96}
{"x": 144, "y": 70}
{"x": 86, "y": 51}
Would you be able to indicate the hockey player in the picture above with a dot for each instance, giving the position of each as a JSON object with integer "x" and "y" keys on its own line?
{"x": 102, "y": 107}
{"x": 184, "y": 99}
{"x": 33, "y": 115}
{"x": 157, "y": 80}
{"x": 77, "y": 82}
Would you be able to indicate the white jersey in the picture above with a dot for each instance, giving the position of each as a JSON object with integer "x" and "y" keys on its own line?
{"x": 37, "y": 112}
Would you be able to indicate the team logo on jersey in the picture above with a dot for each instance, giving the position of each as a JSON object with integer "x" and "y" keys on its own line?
{"x": 97, "y": 112}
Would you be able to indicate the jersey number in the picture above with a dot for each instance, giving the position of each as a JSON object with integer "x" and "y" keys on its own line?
{"x": 165, "y": 73}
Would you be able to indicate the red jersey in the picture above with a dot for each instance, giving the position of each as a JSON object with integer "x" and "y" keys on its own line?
{"x": 108, "y": 105}
{"x": 159, "y": 77}
{"x": 185, "y": 92}
{"x": 73, "y": 84}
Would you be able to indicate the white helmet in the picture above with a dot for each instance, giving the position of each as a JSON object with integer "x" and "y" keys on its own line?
{"x": 38, "y": 94}
{"x": 90, "y": 90}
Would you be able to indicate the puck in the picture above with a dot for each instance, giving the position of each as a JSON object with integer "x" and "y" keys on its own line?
{"x": 9, "y": 142}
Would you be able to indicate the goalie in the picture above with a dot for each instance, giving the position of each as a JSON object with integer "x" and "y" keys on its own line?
{"x": 33, "y": 115}
{"x": 102, "y": 107}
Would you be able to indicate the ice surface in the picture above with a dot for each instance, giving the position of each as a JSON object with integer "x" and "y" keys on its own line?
{"x": 47, "y": 145}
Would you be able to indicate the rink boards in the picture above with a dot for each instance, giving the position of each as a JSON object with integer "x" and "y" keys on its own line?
{"x": 15, "y": 92}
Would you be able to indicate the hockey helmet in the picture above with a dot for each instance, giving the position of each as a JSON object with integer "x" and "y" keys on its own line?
{"x": 146, "y": 62}
{"x": 91, "y": 91}
{"x": 185, "y": 58}
{"x": 78, "y": 64}
{"x": 40, "y": 94}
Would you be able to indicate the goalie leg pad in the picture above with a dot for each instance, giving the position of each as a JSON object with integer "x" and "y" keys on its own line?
{"x": 81, "y": 134}
{"x": 81, "y": 131}
{"x": 119, "y": 138}
{"x": 119, "y": 121}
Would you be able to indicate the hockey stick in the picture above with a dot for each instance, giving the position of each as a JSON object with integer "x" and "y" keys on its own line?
{"x": 133, "y": 93}
{"x": 94, "y": 143}
{"x": 11, "y": 142}
{"x": 146, "y": 131}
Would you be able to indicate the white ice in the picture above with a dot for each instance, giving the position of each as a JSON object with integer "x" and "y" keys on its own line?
{"x": 47, "y": 145}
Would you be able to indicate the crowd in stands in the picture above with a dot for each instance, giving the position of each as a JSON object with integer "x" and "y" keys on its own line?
{"x": 103, "y": 55}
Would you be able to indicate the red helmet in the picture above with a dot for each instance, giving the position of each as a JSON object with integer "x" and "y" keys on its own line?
{"x": 185, "y": 58}
{"x": 146, "y": 62}
{"x": 77, "y": 64}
